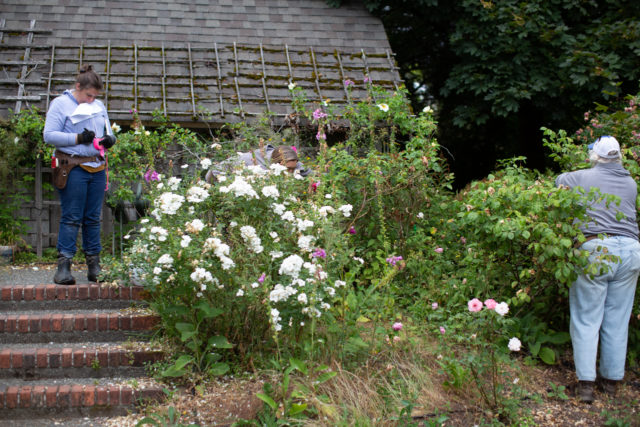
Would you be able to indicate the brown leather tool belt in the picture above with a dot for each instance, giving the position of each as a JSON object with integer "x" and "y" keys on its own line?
{"x": 64, "y": 163}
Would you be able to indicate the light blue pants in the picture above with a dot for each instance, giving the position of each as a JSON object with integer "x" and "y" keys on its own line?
{"x": 601, "y": 308}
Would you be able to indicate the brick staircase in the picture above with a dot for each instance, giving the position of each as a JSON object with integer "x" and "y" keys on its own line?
{"x": 73, "y": 351}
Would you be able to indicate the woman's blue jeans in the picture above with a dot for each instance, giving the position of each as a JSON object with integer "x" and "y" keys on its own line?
{"x": 81, "y": 202}
{"x": 601, "y": 309}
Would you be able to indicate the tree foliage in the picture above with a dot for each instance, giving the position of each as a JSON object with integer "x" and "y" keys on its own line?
{"x": 501, "y": 70}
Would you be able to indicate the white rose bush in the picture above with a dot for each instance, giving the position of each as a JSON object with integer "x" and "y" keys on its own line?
{"x": 252, "y": 259}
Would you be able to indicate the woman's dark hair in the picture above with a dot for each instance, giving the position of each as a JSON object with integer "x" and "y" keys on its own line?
{"x": 87, "y": 78}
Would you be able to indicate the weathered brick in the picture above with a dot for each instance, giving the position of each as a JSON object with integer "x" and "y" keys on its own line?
{"x": 102, "y": 397}
{"x": 79, "y": 323}
{"x": 29, "y": 358}
{"x": 103, "y": 322}
{"x": 76, "y": 395}
{"x": 42, "y": 357}
{"x": 61, "y": 292}
{"x": 52, "y": 396}
{"x": 2, "y": 324}
{"x": 126, "y": 396}
{"x": 114, "y": 358}
{"x": 89, "y": 357}
{"x": 150, "y": 394}
{"x": 17, "y": 293}
{"x": 5, "y": 294}
{"x": 125, "y": 323}
{"x": 34, "y": 324}
{"x": 45, "y": 323}
{"x": 64, "y": 396}
{"x": 67, "y": 357}
{"x": 114, "y": 293}
{"x": 103, "y": 358}
{"x": 137, "y": 293}
{"x": 54, "y": 358}
{"x": 5, "y": 359}
{"x": 11, "y": 324}
{"x": 56, "y": 322}
{"x": 23, "y": 323}
{"x": 83, "y": 292}
{"x": 104, "y": 292}
{"x": 51, "y": 292}
{"x": 29, "y": 293}
{"x": 92, "y": 322}
{"x": 94, "y": 291}
{"x": 113, "y": 322}
{"x": 68, "y": 321}
{"x": 114, "y": 395}
{"x": 78, "y": 358}
{"x": 16, "y": 359}
{"x": 25, "y": 396}
{"x": 144, "y": 323}
{"x": 72, "y": 292}
{"x": 2, "y": 396}
{"x": 125, "y": 292}
{"x": 89, "y": 395}
{"x": 39, "y": 295}
{"x": 11, "y": 397}
{"x": 38, "y": 396}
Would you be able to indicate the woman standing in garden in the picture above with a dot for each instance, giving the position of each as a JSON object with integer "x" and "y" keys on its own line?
{"x": 601, "y": 305}
{"x": 72, "y": 123}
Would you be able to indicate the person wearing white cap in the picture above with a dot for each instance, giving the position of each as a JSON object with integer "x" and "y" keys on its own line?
{"x": 601, "y": 305}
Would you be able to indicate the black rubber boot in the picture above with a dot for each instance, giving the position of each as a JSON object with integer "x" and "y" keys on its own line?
{"x": 584, "y": 391}
{"x": 63, "y": 275}
{"x": 93, "y": 267}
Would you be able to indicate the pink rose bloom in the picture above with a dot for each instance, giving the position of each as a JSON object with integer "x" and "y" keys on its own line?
{"x": 442, "y": 330}
{"x": 490, "y": 304}
{"x": 396, "y": 339}
{"x": 475, "y": 305}
{"x": 434, "y": 305}
{"x": 352, "y": 230}
{"x": 397, "y": 326}
{"x": 463, "y": 240}
{"x": 439, "y": 250}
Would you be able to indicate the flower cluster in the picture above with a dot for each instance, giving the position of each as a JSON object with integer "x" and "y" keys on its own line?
{"x": 476, "y": 305}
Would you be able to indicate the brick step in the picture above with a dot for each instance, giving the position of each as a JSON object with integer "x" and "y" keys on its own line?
{"x": 91, "y": 397}
{"x": 71, "y": 360}
{"x": 74, "y": 326}
{"x": 60, "y": 297}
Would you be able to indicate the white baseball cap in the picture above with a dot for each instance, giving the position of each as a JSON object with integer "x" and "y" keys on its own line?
{"x": 606, "y": 147}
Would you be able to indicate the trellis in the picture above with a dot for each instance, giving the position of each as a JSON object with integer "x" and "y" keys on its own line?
{"x": 220, "y": 83}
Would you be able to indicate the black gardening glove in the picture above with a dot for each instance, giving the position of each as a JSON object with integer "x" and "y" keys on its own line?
{"x": 86, "y": 137}
{"x": 107, "y": 141}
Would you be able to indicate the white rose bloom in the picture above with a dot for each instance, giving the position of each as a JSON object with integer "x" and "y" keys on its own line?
{"x": 278, "y": 208}
{"x": 241, "y": 188}
{"x": 502, "y": 308}
{"x": 270, "y": 191}
{"x": 384, "y": 107}
{"x": 340, "y": 283}
{"x": 305, "y": 242}
{"x": 194, "y": 226}
{"x": 327, "y": 196}
{"x": 200, "y": 275}
{"x": 303, "y": 224}
{"x": 346, "y": 210}
{"x": 203, "y": 287}
{"x": 144, "y": 220}
{"x": 514, "y": 344}
{"x": 311, "y": 268}
{"x": 277, "y": 168}
{"x": 291, "y": 86}
{"x": 205, "y": 163}
{"x": 165, "y": 259}
{"x": 197, "y": 194}
{"x": 291, "y": 266}
{"x": 157, "y": 270}
{"x": 420, "y": 215}
{"x": 255, "y": 285}
{"x": 216, "y": 146}
{"x": 239, "y": 293}
{"x": 288, "y": 216}
{"x": 302, "y": 298}
{"x": 276, "y": 254}
{"x": 325, "y": 210}
{"x": 174, "y": 183}
{"x": 330, "y": 291}
{"x": 185, "y": 241}
{"x": 273, "y": 234}
{"x": 169, "y": 203}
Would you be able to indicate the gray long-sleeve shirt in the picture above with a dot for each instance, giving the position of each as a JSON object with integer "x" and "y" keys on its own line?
{"x": 609, "y": 178}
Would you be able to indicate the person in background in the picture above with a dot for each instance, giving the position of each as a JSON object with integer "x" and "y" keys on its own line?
{"x": 601, "y": 305}
{"x": 283, "y": 155}
{"x": 73, "y": 121}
